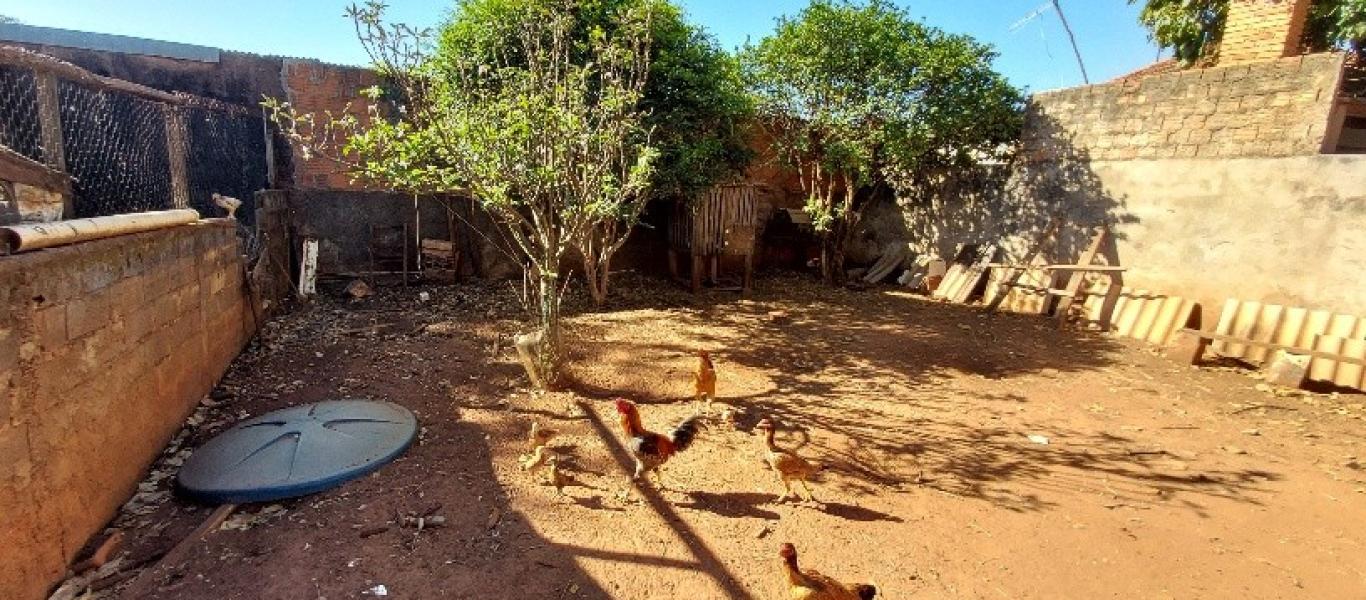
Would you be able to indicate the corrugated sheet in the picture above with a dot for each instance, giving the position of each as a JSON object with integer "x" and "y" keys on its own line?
{"x": 1138, "y": 313}
{"x": 1325, "y": 331}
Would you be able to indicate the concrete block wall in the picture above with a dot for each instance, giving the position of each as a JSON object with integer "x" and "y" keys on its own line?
{"x": 1267, "y": 109}
{"x": 105, "y": 348}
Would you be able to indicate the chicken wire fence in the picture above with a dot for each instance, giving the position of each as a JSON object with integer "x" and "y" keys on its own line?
{"x": 129, "y": 153}
{"x": 19, "y": 129}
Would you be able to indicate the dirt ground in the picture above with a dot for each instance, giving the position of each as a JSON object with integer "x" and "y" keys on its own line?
{"x": 1156, "y": 481}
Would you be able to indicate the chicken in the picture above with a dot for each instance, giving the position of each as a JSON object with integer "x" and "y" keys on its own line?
{"x": 540, "y": 436}
{"x": 227, "y": 203}
{"x": 811, "y": 585}
{"x": 651, "y": 450}
{"x": 789, "y": 467}
{"x": 556, "y": 476}
{"x": 537, "y": 459}
{"x": 704, "y": 380}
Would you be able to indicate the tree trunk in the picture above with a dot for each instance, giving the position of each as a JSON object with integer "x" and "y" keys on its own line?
{"x": 597, "y": 274}
{"x": 828, "y": 271}
{"x": 544, "y": 344}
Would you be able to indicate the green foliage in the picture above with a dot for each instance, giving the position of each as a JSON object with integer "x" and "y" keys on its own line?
{"x": 694, "y": 101}
{"x": 1192, "y": 28}
{"x": 861, "y": 94}
{"x": 1337, "y": 24}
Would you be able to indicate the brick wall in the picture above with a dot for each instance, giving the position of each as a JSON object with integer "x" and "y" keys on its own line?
{"x": 1273, "y": 108}
{"x": 317, "y": 87}
{"x": 1259, "y": 30}
{"x": 105, "y": 348}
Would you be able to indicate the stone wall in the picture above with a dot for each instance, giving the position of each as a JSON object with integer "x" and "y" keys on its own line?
{"x": 105, "y": 348}
{"x": 1273, "y": 108}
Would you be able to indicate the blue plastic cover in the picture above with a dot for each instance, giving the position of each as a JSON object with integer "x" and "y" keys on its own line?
{"x": 297, "y": 451}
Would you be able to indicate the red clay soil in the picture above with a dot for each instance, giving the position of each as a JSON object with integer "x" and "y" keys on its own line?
{"x": 1157, "y": 480}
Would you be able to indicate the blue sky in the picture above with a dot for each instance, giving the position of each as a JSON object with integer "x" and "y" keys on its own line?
{"x": 1036, "y": 55}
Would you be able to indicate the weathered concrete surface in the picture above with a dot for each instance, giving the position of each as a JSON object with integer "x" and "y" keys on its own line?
{"x": 1282, "y": 230}
{"x": 105, "y": 348}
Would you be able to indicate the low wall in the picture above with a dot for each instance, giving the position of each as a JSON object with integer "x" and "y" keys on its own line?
{"x": 105, "y": 348}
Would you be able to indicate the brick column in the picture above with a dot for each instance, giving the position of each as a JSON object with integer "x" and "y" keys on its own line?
{"x": 1259, "y": 30}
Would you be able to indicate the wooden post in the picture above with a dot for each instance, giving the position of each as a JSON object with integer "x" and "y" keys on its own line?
{"x": 270, "y": 149}
{"x": 673, "y": 264}
{"x": 175, "y": 148}
{"x": 697, "y": 268}
{"x": 50, "y": 132}
{"x": 749, "y": 273}
{"x": 50, "y": 121}
{"x": 308, "y": 269}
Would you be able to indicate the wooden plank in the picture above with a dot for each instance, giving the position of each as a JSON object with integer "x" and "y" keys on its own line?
{"x": 145, "y": 582}
{"x": 1088, "y": 268}
{"x": 21, "y": 169}
{"x": 972, "y": 276}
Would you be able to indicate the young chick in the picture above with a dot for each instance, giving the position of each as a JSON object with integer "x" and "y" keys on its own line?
{"x": 789, "y": 467}
{"x": 557, "y": 477}
{"x": 811, "y": 585}
{"x": 540, "y": 436}
{"x": 535, "y": 460}
{"x": 704, "y": 380}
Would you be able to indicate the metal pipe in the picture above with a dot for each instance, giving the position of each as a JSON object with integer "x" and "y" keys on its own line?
{"x": 33, "y": 236}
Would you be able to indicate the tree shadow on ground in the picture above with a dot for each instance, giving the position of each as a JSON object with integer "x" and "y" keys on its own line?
{"x": 870, "y": 384}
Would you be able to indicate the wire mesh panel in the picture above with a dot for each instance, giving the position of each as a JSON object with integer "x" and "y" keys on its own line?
{"x": 115, "y": 147}
{"x": 19, "y": 127}
{"x": 226, "y": 154}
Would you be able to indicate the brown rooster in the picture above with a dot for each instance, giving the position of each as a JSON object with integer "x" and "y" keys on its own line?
{"x": 651, "y": 450}
{"x": 811, "y": 585}
{"x": 704, "y": 380}
{"x": 789, "y": 467}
